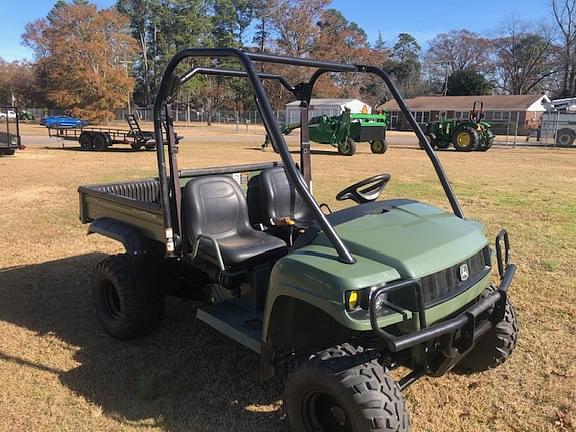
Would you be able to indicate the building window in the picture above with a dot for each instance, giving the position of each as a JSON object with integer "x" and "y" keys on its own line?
{"x": 421, "y": 116}
{"x": 501, "y": 115}
{"x": 462, "y": 115}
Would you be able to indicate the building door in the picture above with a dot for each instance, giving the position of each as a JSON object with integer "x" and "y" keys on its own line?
{"x": 394, "y": 120}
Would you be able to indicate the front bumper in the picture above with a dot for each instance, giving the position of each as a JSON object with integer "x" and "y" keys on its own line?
{"x": 466, "y": 327}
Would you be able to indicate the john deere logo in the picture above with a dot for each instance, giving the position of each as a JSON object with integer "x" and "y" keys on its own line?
{"x": 464, "y": 272}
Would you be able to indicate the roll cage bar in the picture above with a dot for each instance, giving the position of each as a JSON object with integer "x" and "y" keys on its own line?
{"x": 170, "y": 183}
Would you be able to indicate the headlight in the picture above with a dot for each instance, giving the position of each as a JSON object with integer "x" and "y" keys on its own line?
{"x": 361, "y": 298}
{"x": 352, "y": 300}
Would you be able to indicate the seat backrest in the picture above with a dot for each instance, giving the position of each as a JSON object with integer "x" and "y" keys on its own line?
{"x": 214, "y": 206}
{"x": 279, "y": 199}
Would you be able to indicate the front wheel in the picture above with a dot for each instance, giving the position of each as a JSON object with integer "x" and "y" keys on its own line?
{"x": 348, "y": 147}
{"x": 331, "y": 392}
{"x": 127, "y": 305}
{"x": 495, "y": 346}
{"x": 378, "y": 146}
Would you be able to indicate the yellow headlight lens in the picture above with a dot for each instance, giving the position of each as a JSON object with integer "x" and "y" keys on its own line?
{"x": 352, "y": 300}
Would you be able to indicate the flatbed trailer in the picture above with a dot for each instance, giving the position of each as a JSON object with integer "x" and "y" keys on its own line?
{"x": 99, "y": 138}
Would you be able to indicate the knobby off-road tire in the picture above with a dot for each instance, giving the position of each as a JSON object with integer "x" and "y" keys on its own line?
{"x": 496, "y": 346}
{"x": 9, "y": 152}
{"x": 465, "y": 139}
{"x": 331, "y": 392}
{"x": 348, "y": 147}
{"x": 126, "y": 307}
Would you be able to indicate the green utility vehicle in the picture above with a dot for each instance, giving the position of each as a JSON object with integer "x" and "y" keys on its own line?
{"x": 347, "y": 129}
{"x": 10, "y": 140}
{"x": 335, "y": 300}
{"x": 464, "y": 135}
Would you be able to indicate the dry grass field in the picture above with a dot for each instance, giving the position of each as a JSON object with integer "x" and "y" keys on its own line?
{"x": 60, "y": 372}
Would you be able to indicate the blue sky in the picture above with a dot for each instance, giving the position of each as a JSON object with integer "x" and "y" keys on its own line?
{"x": 422, "y": 19}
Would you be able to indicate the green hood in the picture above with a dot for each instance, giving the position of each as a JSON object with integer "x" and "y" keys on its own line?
{"x": 414, "y": 238}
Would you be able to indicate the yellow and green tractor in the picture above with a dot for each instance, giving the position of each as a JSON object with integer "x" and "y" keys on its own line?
{"x": 465, "y": 135}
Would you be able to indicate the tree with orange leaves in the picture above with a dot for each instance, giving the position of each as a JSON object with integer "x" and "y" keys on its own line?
{"x": 83, "y": 56}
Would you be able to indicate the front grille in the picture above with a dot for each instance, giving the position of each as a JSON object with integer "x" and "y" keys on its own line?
{"x": 445, "y": 283}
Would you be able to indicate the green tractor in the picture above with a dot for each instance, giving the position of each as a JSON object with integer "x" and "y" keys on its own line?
{"x": 347, "y": 129}
{"x": 464, "y": 135}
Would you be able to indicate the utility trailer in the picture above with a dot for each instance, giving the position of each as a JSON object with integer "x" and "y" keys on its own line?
{"x": 10, "y": 140}
{"x": 100, "y": 139}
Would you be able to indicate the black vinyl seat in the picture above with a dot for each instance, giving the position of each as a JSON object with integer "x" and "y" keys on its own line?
{"x": 215, "y": 206}
{"x": 279, "y": 199}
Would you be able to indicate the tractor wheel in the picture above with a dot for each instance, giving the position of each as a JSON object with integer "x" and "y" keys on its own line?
{"x": 431, "y": 139}
{"x": 488, "y": 140}
{"x": 348, "y": 147}
{"x": 136, "y": 146}
{"x": 465, "y": 139}
{"x": 85, "y": 140}
{"x": 565, "y": 137}
{"x": 150, "y": 146}
{"x": 9, "y": 152}
{"x": 331, "y": 392}
{"x": 442, "y": 144}
{"x": 378, "y": 146}
{"x": 495, "y": 346}
{"x": 100, "y": 142}
{"x": 127, "y": 306}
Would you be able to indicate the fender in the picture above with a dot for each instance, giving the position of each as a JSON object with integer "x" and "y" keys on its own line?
{"x": 132, "y": 238}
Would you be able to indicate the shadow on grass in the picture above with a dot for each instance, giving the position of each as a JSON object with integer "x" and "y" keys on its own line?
{"x": 186, "y": 376}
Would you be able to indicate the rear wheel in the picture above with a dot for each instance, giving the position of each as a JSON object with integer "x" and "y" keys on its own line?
{"x": 85, "y": 140}
{"x": 465, "y": 139}
{"x": 348, "y": 147}
{"x": 378, "y": 146}
{"x": 332, "y": 392}
{"x": 565, "y": 137}
{"x": 127, "y": 307}
{"x": 100, "y": 141}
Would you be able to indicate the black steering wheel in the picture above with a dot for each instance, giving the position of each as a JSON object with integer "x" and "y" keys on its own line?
{"x": 366, "y": 190}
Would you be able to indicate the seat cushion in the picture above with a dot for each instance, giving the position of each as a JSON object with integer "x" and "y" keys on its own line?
{"x": 215, "y": 206}
{"x": 245, "y": 249}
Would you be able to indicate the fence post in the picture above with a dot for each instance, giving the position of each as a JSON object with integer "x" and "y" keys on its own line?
{"x": 517, "y": 123}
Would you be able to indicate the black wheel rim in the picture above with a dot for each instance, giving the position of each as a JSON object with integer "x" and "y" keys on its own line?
{"x": 111, "y": 301}
{"x": 323, "y": 413}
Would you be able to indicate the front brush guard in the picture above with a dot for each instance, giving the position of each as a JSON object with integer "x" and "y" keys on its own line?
{"x": 466, "y": 321}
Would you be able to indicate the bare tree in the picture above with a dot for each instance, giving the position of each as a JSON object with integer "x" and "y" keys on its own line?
{"x": 564, "y": 12}
{"x": 523, "y": 58}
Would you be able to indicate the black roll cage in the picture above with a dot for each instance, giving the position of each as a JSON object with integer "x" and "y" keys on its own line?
{"x": 170, "y": 183}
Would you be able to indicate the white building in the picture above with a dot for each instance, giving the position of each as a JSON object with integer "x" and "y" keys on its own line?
{"x": 329, "y": 107}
